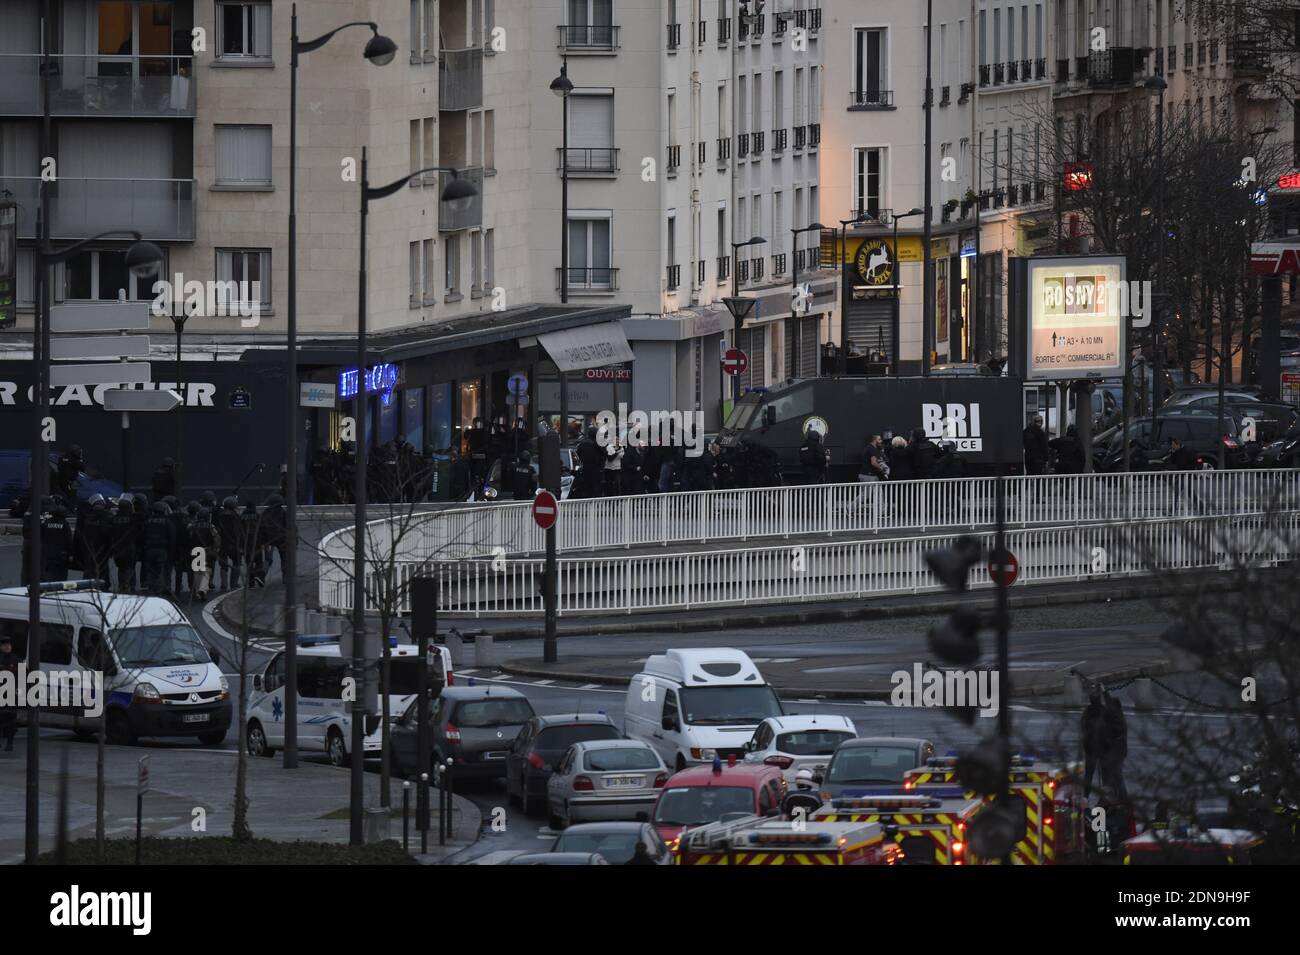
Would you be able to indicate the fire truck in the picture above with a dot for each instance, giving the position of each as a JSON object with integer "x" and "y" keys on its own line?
{"x": 755, "y": 840}
{"x": 930, "y": 827}
{"x": 1055, "y": 807}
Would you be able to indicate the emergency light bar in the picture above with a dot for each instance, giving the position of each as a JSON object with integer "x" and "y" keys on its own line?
{"x": 939, "y": 790}
{"x": 317, "y": 639}
{"x": 887, "y": 802}
{"x": 54, "y": 586}
{"x": 790, "y": 839}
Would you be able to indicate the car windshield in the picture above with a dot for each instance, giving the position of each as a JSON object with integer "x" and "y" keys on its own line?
{"x": 615, "y": 760}
{"x": 724, "y": 705}
{"x": 616, "y": 847}
{"x": 871, "y": 764}
{"x": 160, "y": 645}
{"x": 811, "y": 742}
{"x": 560, "y": 738}
{"x": 696, "y": 805}
{"x": 506, "y": 711}
{"x": 740, "y": 415}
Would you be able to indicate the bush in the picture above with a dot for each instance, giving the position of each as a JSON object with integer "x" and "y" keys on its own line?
{"x": 223, "y": 850}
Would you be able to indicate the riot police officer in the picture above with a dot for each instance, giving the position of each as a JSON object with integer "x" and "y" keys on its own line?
{"x": 251, "y": 544}
{"x": 123, "y": 532}
{"x": 97, "y": 539}
{"x": 56, "y": 540}
{"x": 227, "y": 522}
{"x": 159, "y": 548}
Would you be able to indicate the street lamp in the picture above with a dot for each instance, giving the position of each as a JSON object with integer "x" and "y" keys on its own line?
{"x": 862, "y": 216}
{"x": 927, "y": 293}
{"x": 897, "y": 262}
{"x": 380, "y": 51}
{"x": 737, "y": 306}
{"x": 562, "y": 86}
{"x": 458, "y": 194}
{"x": 1156, "y": 86}
{"x": 143, "y": 260}
{"x": 794, "y": 291}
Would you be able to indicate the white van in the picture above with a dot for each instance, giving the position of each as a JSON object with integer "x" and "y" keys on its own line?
{"x": 692, "y": 705}
{"x": 160, "y": 677}
{"x": 324, "y": 720}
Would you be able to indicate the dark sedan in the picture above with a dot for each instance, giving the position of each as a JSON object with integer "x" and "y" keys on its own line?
{"x": 474, "y": 725}
{"x": 540, "y": 744}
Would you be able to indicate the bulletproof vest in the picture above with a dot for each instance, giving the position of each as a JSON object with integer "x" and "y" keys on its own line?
{"x": 54, "y": 532}
{"x": 158, "y": 533}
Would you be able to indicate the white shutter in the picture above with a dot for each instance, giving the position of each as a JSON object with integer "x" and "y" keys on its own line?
{"x": 591, "y": 121}
{"x": 261, "y": 30}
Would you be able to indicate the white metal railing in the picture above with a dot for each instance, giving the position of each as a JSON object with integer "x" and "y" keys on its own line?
{"x": 839, "y": 570}
{"x": 830, "y": 509}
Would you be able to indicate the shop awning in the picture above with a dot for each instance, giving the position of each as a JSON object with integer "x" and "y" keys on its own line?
{"x": 573, "y": 349}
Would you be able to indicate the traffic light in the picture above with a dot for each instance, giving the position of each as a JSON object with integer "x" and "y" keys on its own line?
{"x": 986, "y": 767}
{"x": 952, "y": 564}
{"x": 956, "y": 640}
{"x": 996, "y": 830}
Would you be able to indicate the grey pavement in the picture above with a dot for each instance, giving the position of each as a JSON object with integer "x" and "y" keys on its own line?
{"x": 305, "y": 804}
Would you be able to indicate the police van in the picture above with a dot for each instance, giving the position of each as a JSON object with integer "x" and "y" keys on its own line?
{"x": 159, "y": 676}
{"x": 324, "y": 716}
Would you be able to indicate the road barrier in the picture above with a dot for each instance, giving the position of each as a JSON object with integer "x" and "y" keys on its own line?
{"x": 684, "y": 580}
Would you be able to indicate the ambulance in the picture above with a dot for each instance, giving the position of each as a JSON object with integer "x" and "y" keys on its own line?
{"x": 930, "y": 828}
{"x": 1055, "y": 807}
{"x": 758, "y": 841}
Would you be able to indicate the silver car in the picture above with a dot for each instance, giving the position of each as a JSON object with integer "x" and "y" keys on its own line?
{"x": 616, "y": 842}
{"x": 604, "y": 779}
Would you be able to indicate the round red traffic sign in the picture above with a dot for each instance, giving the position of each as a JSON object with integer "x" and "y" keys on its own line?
{"x": 545, "y": 509}
{"x": 734, "y": 361}
{"x": 1004, "y": 569}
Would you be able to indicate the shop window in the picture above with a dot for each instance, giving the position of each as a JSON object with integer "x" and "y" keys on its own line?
{"x": 440, "y": 429}
{"x": 413, "y": 417}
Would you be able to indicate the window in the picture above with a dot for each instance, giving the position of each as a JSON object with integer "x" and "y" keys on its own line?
{"x": 997, "y": 36}
{"x": 814, "y": 204}
{"x": 868, "y": 180}
{"x": 778, "y": 100}
{"x": 963, "y": 71}
{"x": 244, "y": 30}
{"x": 723, "y": 119}
{"x": 243, "y": 157}
{"x": 798, "y": 204}
{"x": 430, "y": 41}
{"x": 476, "y": 265}
{"x": 1038, "y": 31}
{"x": 798, "y": 97}
{"x": 984, "y": 51}
{"x": 416, "y": 140}
{"x": 945, "y": 187}
{"x": 757, "y": 125}
{"x": 251, "y": 269}
{"x": 489, "y": 261}
{"x": 417, "y": 33}
{"x": 589, "y": 253}
{"x": 99, "y": 276}
{"x": 672, "y": 241}
{"x": 452, "y": 266}
{"x": 430, "y": 293}
{"x": 723, "y": 249}
{"x": 742, "y": 104}
{"x": 416, "y": 281}
{"x": 91, "y": 649}
{"x": 489, "y": 140}
{"x": 869, "y": 66}
{"x": 778, "y": 220}
{"x": 591, "y": 131}
{"x": 943, "y": 55}
{"x": 1011, "y": 33}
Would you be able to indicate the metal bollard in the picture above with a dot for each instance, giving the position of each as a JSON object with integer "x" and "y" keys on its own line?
{"x": 485, "y": 653}
{"x": 451, "y": 787}
{"x": 406, "y": 819}
{"x": 424, "y": 829}
{"x": 1144, "y": 694}
{"x": 1073, "y": 690}
{"x": 442, "y": 801}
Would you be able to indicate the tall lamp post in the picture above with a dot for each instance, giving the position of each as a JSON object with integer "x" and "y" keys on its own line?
{"x": 795, "y": 330}
{"x": 1156, "y": 85}
{"x": 927, "y": 298}
{"x": 897, "y": 263}
{"x": 562, "y": 86}
{"x": 457, "y": 193}
{"x": 142, "y": 260}
{"x": 737, "y": 306}
{"x": 379, "y": 50}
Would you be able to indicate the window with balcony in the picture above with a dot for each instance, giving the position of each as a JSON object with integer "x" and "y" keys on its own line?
{"x": 590, "y": 253}
{"x": 590, "y": 26}
{"x": 870, "y": 69}
{"x": 591, "y": 133}
{"x": 451, "y": 268}
{"x": 243, "y": 31}
{"x": 868, "y": 180}
{"x": 250, "y": 269}
{"x": 243, "y": 157}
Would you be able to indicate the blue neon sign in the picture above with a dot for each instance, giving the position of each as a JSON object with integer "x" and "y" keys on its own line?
{"x": 380, "y": 378}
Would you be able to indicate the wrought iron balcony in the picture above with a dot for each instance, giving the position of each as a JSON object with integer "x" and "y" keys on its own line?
{"x": 589, "y": 279}
{"x": 800, "y": 137}
{"x": 779, "y": 139}
{"x": 1040, "y": 68}
{"x": 758, "y": 143}
{"x": 724, "y": 30}
{"x": 674, "y": 157}
{"x": 1116, "y": 66}
{"x": 742, "y": 145}
{"x": 999, "y": 73}
{"x": 814, "y": 135}
{"x": 80, "y": 85}
{"x": 778, "y": 264}
{"x": 1013, "y": 71}
{"x": 967, "y": 91}
{"x": 871, "y": 99}
{"x": 674, "y": 277}
{"x": 674, "y": 35}
{"x": 724, "y": 148}
{"x": 945, "y": 96}
{"x": 724, "y": 267}
{"x": 985, "y": 74}
{"x": 588, "y": 159}
{"x": 588, "y": 36}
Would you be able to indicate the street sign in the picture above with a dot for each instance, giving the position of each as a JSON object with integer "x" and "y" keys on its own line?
{"x": 131, "y": 399}
{"x": 316, "y": 394}
{"x": 114, "y": 373}
{"x": 517, "y": 384}
{"x": 1078, "y": 312}
{"x": 106, "y": 347}
{"x": 545, "y": 509}
{"x": 142, "y": 776}
{"x": 100, "y": 317}
{"x": 240, "y": 399}
{"x": 734, "y": 361}
{"x": 1004, "y": 568}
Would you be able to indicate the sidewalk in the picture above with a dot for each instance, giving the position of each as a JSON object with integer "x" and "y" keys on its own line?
{"x": 308, "y": 803}
{"x": 264, "y": 609}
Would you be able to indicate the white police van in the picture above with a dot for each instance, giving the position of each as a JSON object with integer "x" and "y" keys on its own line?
{"x": 160, "y": 677}
{"x": 324, "y": 717}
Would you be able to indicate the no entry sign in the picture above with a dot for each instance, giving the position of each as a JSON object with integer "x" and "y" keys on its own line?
{"x": 734, "y": 361}
{"x": 1004, "y": 568}
{"x": 545, "y": 509}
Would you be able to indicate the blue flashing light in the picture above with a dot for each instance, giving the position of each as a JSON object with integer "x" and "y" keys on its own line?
{"x": 717, "y": 764}
{"x": 471, "y": 682}
{"x": 939, "y": 792}
{"x": 392, "y": 639}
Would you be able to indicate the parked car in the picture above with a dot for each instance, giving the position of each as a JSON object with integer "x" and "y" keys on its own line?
{"x": 792, "y": 743}
{"x": 703, "y": 794}
{"x": 474, "y": 725}
{"x": 559, "y": 858}
{"x": 538, "y": 747}
{"x": 615, "y": 842}
{"x": 1200, "y": 431}
{"x": 605, "y": 779}
{"x": 872, "y": 762}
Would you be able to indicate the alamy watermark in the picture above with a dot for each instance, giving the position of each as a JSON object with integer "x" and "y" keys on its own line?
{"x": 211, "y": 299}
{"x": 946, "y": 688}
{"x": 57, "y": 689}
{"x": 667, "y": 429}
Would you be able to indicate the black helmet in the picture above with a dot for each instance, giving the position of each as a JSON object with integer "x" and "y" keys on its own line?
{"x": 203, "y": 514}
{"x": 230, "y": 503}
{"x": 274, "y": 500}
{"x": 158, "y": 508}
{"x": 124, "y": 505}
{"x": 97, "y": 500}
{"x": 208, "y": 499}
{"x": 140, "y": 500}
{"x": 75, "y": 451}
{"x": 168, "y": 462}
{"x": 193, "y": 508}
{"x": 171, "y": 502}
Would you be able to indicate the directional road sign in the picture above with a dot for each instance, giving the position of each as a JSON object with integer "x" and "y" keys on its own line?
{"x": 545, "y": 509}
{"x": 130, "y": 399}
{"x": 734, "y": 361}
{"x": 517, "y": 384}
{"x": 100, "y": 317}
{"x": 114, "y": 373}
{"x": 99, "y": 347}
